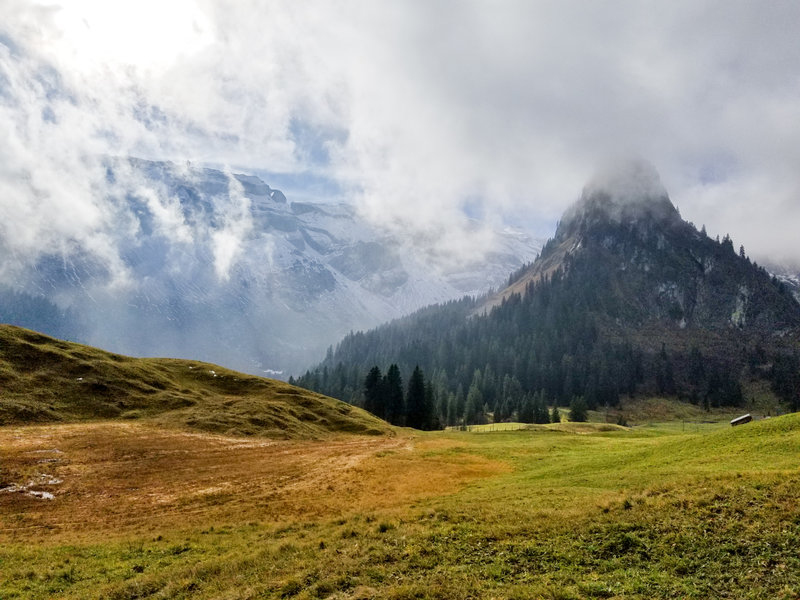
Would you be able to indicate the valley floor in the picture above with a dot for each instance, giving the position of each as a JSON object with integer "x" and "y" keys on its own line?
{"x": 656, "y": 512}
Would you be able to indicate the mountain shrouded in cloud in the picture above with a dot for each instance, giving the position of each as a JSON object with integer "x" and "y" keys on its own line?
{"x": 418, "y": 113}
{"x": 627, "y": 299}
{"x": 426, "y": 118}
{"x": 223, "y": 267}
{"x": 623, "y": 190}
{"x": 627, "y": 182}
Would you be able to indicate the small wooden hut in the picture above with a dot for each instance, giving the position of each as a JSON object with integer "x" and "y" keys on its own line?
{"x": 741, "y": 420}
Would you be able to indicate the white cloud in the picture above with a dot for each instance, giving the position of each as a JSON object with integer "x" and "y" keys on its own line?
{"x": 416, "y": 108}
{"x": 237, "y": 223}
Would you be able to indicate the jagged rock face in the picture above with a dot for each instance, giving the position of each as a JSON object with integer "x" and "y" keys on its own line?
{"x": 227, "y": 269}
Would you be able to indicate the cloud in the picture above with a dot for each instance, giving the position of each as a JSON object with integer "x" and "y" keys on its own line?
{"x": 49, "y": 169}
{"x": 237, "y": 223}
{"x": 627, "y": 182}
{"x": 421, "y": 112}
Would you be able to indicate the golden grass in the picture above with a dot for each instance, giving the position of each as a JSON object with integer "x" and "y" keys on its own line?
{"x": 132, "y": 478}
{"x": 162, "y": 502}
{"x": 145, "y": 512}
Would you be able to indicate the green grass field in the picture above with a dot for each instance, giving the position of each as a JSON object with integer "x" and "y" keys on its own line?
{"x": 127, "y": 478}
{"x": 541, "y": 513}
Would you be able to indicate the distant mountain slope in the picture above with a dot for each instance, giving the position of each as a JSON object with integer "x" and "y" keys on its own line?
{"x": 222, "y": 267}
{"x": 627, "y": 298}
{"x": 43, "y": 379}
{"x": 788, "y": 274}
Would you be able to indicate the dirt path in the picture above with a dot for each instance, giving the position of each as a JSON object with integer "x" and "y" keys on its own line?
{"x": 127, "y": 478}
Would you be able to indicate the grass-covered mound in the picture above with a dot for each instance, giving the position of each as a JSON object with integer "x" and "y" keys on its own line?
{"x": 43, "y": 380}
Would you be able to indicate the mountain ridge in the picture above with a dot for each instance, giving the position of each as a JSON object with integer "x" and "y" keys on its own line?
{"x": 627, "y": 298}
{"x": 222, "y": 267}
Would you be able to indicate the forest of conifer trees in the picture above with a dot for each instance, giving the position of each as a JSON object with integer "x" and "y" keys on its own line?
{"x": 570, "y": 339}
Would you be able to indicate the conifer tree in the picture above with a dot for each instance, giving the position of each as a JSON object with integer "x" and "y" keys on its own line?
{"x": 526, "y": 411}
{"x": 473, "y": 411}
{"x": 452, "y": 410}
{"x": 665, "y": 380}
{"x": 416, "y": 409}
{"x": 786, "y": 379}
{"x": 540, "y": 414}
{"x": 393, "y": 394}
{"x": 697, "y": 372}
{"x": 433, "y": 420}
{"x": 460, "y": 402}
{"x": 555, "y": 415}
{"x": 502, "y": 412}
{"x": 373, "y": 396}
{"x": 578, "y": 410}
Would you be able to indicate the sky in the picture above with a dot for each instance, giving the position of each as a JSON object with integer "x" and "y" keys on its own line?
{"x": 421, "y": 112}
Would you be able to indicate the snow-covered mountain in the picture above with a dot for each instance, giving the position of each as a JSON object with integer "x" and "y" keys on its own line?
{"x": 788, "y": 274}
{"x": 222, "y": 267}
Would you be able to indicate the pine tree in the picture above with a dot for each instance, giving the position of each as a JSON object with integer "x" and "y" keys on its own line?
{"x": 665, "y": 380}
{"x": 416, "y": 409}
{"x": 473, "y": 410}
{"x": 578, "y": 410}
{"x": 393, "y": 394}
{"x": 526, "y": 411}
{"x": 607, "y": 392}
{"x": 786, "y": 379}
{"x": 439, "y": 386}
{"x": 555, "y": 415}
{"x": 502, "y": 412}
{"x": 460, "y": 403}
{"x": 452, "y": 410}
{"x": 434, "y": 419}
{"x": 540, "y": 414}
{"x": 697, "y": 371}
{"x": 373, "y": 393}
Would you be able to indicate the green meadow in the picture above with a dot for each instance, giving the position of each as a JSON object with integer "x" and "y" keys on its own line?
{"x": 560, "y": 511}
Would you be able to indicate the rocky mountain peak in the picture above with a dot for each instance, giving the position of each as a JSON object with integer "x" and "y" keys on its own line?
{"x": 628, "y": 191}
{"x": 625, "y": 244}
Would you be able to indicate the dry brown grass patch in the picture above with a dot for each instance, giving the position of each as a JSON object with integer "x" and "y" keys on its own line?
{"x": 127, "y": 478}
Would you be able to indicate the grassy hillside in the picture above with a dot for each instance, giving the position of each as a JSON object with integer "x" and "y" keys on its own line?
{"x": 43, "y": 380}
{"x": 599, "y": 512}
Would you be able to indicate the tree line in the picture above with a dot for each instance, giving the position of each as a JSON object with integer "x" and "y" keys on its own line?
{"x": 572, "y": 338}
{"x": 531, "y": 350}
{"x": 426, "y": 407}
{"x": 383, "y": 396}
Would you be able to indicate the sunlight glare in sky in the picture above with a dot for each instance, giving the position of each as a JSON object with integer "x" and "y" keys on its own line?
{"x": 146, "y": 34}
